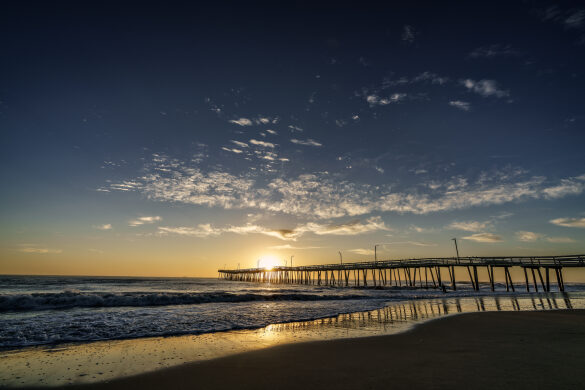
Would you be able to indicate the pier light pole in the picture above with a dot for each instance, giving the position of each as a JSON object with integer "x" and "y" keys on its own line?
{"x": 340, "y": 257}
{"x": 376, "y": 253}
{"x": 291, "y": 260}
{"x": 456, "y": 249}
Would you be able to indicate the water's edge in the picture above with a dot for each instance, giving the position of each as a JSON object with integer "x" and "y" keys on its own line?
{"x": 88, "y": 362}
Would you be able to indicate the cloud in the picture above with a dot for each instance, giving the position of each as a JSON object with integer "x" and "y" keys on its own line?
{"x": 207, "y": 230}
{"x": 272, "y": 132}
{"x": 485, "y": 88}
{"x": 343, "y": 229}
{"x": 291, "y": 247}
{"x": 263, "y": 120}
{"x": 424, "y": 77}
{"x": 375, "y": 100}
{"x": 322, "y": 195}
{"x": 42, "y": 251}
{"x": 469, "y": 226}
{"x": 560, "y": 240}
{"x": 533, "y": 237}
{"x": 144, "y": 220}
{"x": 572, "y": 186}
{"x": 106, "y": 226}
{"x": 351, "y": 228}
{"x": 307, "y": 142}
{"x": 201, "y": 231}
{"x": 575, "y": 19}
{"x": 361, "y": 251}
{"x": 262, "y": 143}
{"x": 408, "y": 34}
{"x": 429, "y": 76}
{"x": 492, "y": 51}
{"x": 569, "y": 222}
{"x": 239, "y": 143}
{"x": 463, "y": 106}
{"x": 295, "y": 128}
{"x": 528, "y": 236}
{"x": 241, "y": 122}
{"x": 570, "y": 19}
{"x": 414, "y": 243}
{"x": 233, "y": 150}
{"x": 419, "y": 229}
{"x": 484, "y": 237}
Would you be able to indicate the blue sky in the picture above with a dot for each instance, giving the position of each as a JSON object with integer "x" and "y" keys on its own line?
{"x": 223, "y": 132}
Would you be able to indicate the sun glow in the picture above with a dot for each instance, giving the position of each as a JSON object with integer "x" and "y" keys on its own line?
{"x": 269, "y": 262}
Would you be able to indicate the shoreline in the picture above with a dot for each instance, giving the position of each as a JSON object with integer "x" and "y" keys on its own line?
{"x": 96, "y": 362}
{"x": 533, "y": 349}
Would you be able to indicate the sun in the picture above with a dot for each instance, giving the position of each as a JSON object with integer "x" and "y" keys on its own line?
{"x": 269, "y": 262}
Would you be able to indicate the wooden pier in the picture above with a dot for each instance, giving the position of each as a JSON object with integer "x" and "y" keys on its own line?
{"x": 422, "y": 273}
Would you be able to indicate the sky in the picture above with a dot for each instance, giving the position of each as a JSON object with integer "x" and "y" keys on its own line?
{"x": 174, "y": 139}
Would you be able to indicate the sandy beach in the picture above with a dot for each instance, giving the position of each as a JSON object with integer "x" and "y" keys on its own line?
{"x": 480, "y": 350}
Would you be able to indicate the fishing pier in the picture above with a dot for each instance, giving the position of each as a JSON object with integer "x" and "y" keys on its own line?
{"x": 418, "y": 273}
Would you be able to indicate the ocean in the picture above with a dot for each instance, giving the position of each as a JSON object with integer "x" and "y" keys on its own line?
{"x": 51, "y": 310}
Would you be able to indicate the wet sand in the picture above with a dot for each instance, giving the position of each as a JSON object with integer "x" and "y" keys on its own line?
{"x": 480, "y": 350}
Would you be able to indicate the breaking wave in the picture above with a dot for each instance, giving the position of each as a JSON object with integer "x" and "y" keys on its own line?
{"x": 73, "y": 299}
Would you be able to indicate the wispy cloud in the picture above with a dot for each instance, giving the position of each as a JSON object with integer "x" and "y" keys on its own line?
{"x": 528, "y": 236}
{"x": 326, "y": 196}
{"x": 560, "y": 240}
{"x": 262, "y": 143}
{"x": 345, "y": 229}
{"x": 239, "y": 143}
{"x": 351, "y": 228}
{"x": 306, "y": 142}
{"x": 233, "y": 150}
{"x": 241, "y": 122}
{"x": 484, "y": 237}
{"x": 469, "y": 226}
{"x": 463, "y": 106}
{"x": 575, "y": 19}
{"x": 408, "y": 34}
{"x": 144, "y": 220}
{"x": 485, "y": 88}
{"x": 295, "y": 128}
{"x": 375, "y": 100}
{"x": 431, "y": 77}
{"x": 292, "y": 247}
{"x": 106, "y": 226}
{"x": 533, "y": 237}
{"x": 492, "y": 51}
{"x": 362, "y": 251}
{"x": 569, "y": 222}
{"x": 570, "y": 19}
{"x": 424, "y": 77}
{"x": 41, "y": 251}
{"x": 573, "y": 186}
{"x": 411, "y": 243}
{"x": 207, "y": 230}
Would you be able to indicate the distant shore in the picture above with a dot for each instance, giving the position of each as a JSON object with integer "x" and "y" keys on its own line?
{"x": 478, "y": 350}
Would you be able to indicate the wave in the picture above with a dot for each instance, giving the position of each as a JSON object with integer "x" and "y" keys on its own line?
{"x": 76, "y": 299}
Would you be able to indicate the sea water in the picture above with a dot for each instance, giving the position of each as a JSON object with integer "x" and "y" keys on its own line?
{"x": 74, "y": 330}
{"x": 40, "y": 310}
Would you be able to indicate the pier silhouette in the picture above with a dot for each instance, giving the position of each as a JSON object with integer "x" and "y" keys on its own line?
{"x": 417, "y": 273}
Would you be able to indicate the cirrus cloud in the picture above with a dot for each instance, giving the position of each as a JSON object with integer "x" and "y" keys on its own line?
{"x": 569, "y": 222}
{"x": 484, "y": 237}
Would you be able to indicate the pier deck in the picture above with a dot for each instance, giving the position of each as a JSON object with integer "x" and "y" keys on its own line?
{"x": 431, "y": 272}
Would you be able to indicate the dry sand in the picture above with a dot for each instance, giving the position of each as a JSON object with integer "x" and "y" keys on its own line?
{"x": 510, "y": 350}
